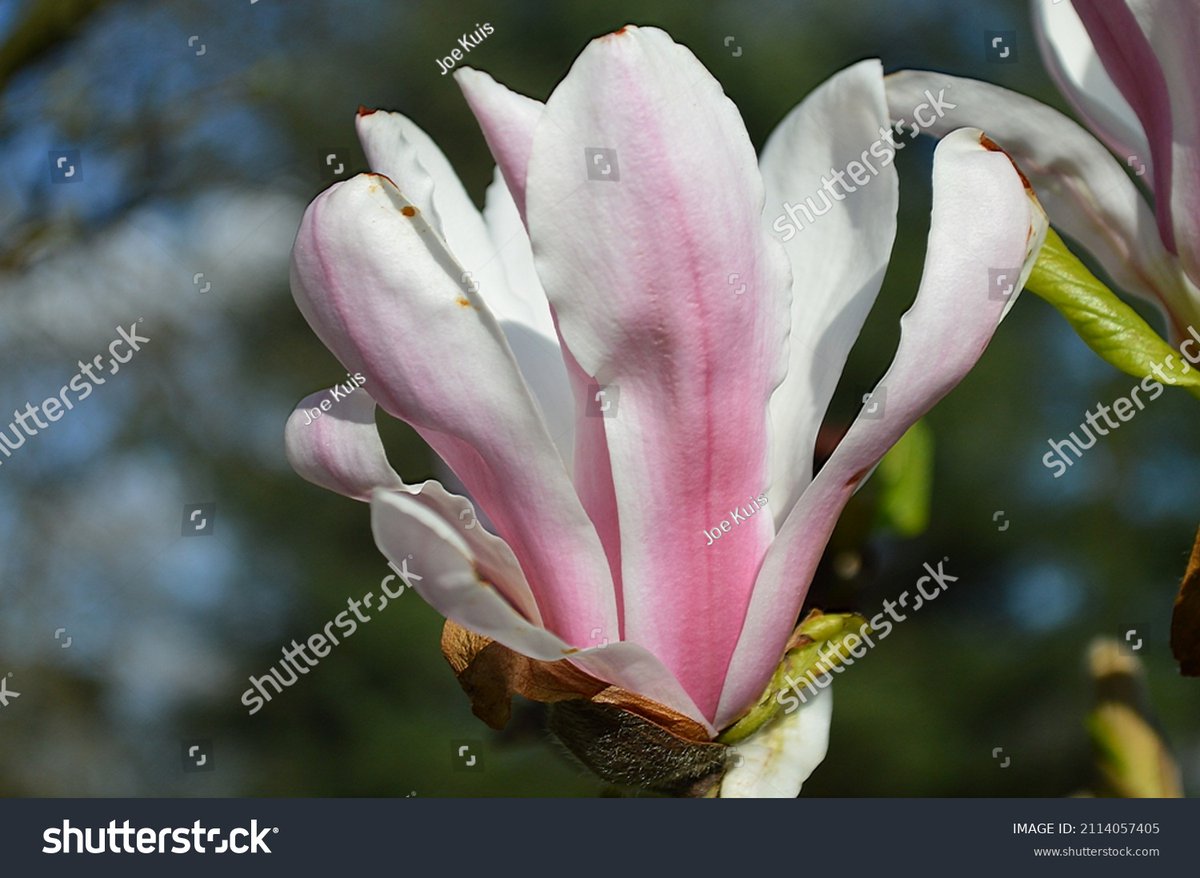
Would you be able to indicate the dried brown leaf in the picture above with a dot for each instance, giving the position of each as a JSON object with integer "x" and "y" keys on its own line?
{"x": 1185, "y": 620}
{"x": 491, "y": 674}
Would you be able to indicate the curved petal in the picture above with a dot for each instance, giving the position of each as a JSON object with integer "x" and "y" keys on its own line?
{"x": 775, "y": 762}
{"x": 839, "y": 239}
{"x": 1086, "y": 192}
{"x": 985, "y": 226}
{"x": 1149, "y": 50}
{"x": 494, "y": 558}
{"x": 644, "y": 205}
{"x": 447, "y": 578}
{"x": 379, "y": 288}
{"x": 508, "y": 120}
{"x": 492, "y": 248}
{"x": 1071, "y": 58}
{"x": 399, "y": 150}
{"x": 339, "y": 448}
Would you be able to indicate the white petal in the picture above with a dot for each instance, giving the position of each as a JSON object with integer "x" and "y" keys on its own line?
{"x": 402, "y": 152}
{"x": 838, "y": 257}
{"x": 341, "y": 450}
{"x": 1087, "y": 193}
{"x": 524, "y": 315}
{"x": 774, "y": 762}
{"x": 397, "y": 148}
{"x": 985, "y": 229}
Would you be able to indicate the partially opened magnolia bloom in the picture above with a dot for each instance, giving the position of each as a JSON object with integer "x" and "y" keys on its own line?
{"x": 627, "y": 372}
{"x": 1129, "y": 69}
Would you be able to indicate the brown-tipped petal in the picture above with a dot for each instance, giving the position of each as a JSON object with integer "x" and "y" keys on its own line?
{"x": 986, "y": 228}
{"x": 379, "y": 287}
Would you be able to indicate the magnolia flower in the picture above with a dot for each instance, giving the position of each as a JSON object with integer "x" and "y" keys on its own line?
{"x": 1128, "y": 67}
{"x": 626, "y": 369}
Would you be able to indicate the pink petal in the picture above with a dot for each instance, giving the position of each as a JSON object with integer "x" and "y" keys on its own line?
{"x": 592, "y": 472}
{"x": 1149, "y": 50}
{"x": 450, "y": 583}
{"x": 644, "y": 267}
{"x": 378, "y": 286}
{"x": 507, "y": 120}
{"x": 1071, "y": 58}
{"x": 984, "y": 223}
{"x": 339, "y": 449}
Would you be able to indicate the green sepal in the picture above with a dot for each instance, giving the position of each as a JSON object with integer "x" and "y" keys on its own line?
{"x": 818, "y": 646}
{"x": 1106, "y": 324}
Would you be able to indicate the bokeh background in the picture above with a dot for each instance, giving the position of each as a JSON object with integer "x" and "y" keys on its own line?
{"x": 202, "y": 130}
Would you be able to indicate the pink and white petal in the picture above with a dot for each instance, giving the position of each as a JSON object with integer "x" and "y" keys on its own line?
{"x": 1086, "y": 192}
{"x": 1071, "y": 58}
{"x": 399, "y": 150}
{"x": 493, "y": 249}
{"x": 592, "y": 472}
{"x": 339, "y": 449}
{"x": 838, "y": 258}
{"x": 775, "y": 761}
{"x": 447, "y": 577}
{"x": 1149, "y": 50}
{"x": 508, "y": 120}
{"x": 636, "y": 669}
{"x": 379, "y": 288}
{"x": 494, "y": 558}
{"x": 984, "y": 224}
{"x": 644, "y": 269}
{"x": 525, "y": 317}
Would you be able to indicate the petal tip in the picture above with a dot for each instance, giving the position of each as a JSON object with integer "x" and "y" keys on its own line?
{"x": 991, "y": 145}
